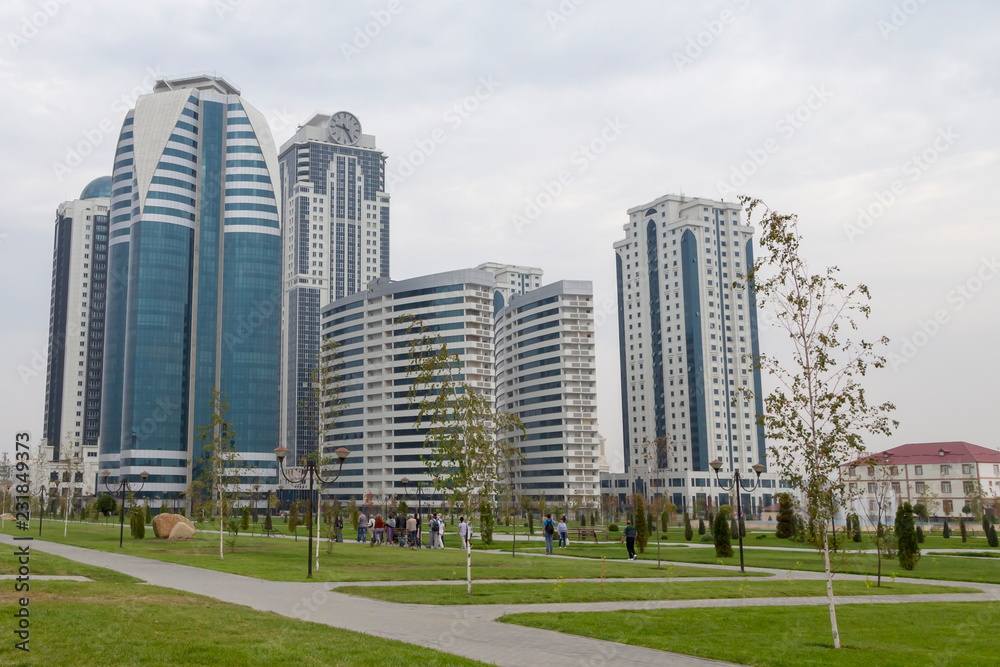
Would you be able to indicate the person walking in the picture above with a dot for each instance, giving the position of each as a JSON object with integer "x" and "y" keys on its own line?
{"x": 338, "y": 525}
{"x": 432, "y": 525}
{"x": 463, "y": 532}
{"x": 379, "y": 526}
{"x": 390, "y": 527}
{"x": 411, "y": 530}
{"x": 629, "y": 537}
{"x": 440, "y": 532}
{"x": 563, "y": 530}
{"x": 362, "y": 527}
{"x": 549, "y": 530}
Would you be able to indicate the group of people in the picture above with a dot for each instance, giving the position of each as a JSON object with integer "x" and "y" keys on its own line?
{"x": 405, "y": 530}
{"x": 550, "y": 528}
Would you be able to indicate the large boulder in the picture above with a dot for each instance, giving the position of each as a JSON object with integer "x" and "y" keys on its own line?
{"x": 181, "y": 531}
{"x": 163, "y": 523}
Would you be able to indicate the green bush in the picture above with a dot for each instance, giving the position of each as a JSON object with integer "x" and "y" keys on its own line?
{"x": 786, "y": 518}
{"x": 106, "y": 505}
{"x": 641, "y": 524}
{"x": 613, "y": 528}
{"x": 267, "y": 520}
{"x": 920, "y": 535}
{"x": 245, "y": 519}
{"x": 486, "y": 522}
{"x": 701, "y": 526}
{"x": 147, "y": 514}
{"x": 688, "y": 530}
{"x": 908, "y": 549}
{"x": 963, "y": 530}
{"x": 991, "y": 536}
{"x": 734, "y": 531}
{"x": 137, "y": 523}
{"x": 707, "y": 538}
{"x": 946, "y": 530}
{"x": 722, "y": 533}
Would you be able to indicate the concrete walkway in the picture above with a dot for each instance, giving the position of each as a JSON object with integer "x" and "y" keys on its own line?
{"x": 471, "y": 630}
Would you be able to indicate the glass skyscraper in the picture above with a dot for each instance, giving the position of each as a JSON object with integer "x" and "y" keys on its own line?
{"x": 194, "y": 283}
{"x": 336, "y": 242}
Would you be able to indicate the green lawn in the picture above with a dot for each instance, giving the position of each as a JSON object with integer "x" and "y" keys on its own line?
{"x": 116, "y": 621}
{"x": 612, "y": 590}
{"x": 278, "y": 559}
{"x": 938, "y": 633}
{"x": 930, "y": 566}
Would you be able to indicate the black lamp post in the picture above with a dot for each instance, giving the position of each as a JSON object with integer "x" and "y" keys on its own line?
{"x": 41, "y": 508}
{"x": 311, "y": 471}
{"x": 122, "y": 487}
{"x": 736, "y": 485}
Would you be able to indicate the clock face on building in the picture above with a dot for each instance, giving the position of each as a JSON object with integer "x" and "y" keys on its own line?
{"x": 345, "y": 128}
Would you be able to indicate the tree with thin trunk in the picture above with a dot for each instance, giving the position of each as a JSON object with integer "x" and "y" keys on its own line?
{"x": 221, "y": 465}
{"x": 881, "y": 474}
{"x": 471, "y": 442}
{"x": 819, "y": 408}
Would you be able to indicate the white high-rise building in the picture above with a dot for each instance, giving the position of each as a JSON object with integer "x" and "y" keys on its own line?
{"x": 686, "y": 336}
{"x": 336, "y": 241}
{"x": 545, "y": 374}
{"x": 376, "y": 423}
{"x": 512, "y": 279}
{"x": 76, "y": 321}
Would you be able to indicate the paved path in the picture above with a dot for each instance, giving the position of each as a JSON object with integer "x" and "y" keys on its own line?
{"x": 460, "y": 630}
{"x": 470, "y": 630}
{"x": 46, "y": 577}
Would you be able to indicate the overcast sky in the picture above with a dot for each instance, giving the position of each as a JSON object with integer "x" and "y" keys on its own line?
{"x": 820, "y": 108}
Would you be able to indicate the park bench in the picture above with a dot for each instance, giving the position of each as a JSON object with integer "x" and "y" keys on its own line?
{"x": 583, "y": 533}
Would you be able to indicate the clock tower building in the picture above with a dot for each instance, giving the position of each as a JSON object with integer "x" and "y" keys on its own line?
{"x": 336, "y": 240}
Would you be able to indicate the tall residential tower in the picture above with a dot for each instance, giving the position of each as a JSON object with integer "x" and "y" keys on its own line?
{"x": 336, "y": 242}
{"x": 686, "y": 336}
{"x": 195, "y": 253}
{"x": 76, "y": 319}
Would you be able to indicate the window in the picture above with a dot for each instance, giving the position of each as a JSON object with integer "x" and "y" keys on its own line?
{"x": 945, "y": 487}
{"x": 920, "y": 487}
{"x": 969, "y": 487}
{"x": 852, "y": 487}
{"x": 966, "y": 468}
{"x": 895, "y": 488}
{"x": 871, "y": 471}
{"x": 947, "y": 506}
{"x": 945, "y": 469}
{"x": 918, "y": 470}
{"x": 871, "y": 487}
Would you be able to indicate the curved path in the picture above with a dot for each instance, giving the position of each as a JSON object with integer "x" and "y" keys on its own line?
{"x": 466, "y": 630}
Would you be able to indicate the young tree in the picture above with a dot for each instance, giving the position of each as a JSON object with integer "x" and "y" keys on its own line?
{"x": 856, "y": 528}
{"x": 722, "y": 534}
{"x": 920, "y": 535}
{"x": 962, "y": 529}
{"x": 688, "y": 530}
{"x": 734, "y": 531}
{"x": 991, "y": 536}
{"x": 293, "y": 519}
{"x": 641, "y": 526}
{"x": 786, "y": 517}
{"x": 906, "y": 537}
{"x": 470, "y": 441}
{"x": 881, "y": 472}
{"x": 486, "y": 521}
{"x": 819, "y": 407}
{"x": 220, "y": 465}
{"x": 946, "y": 530}
{"x": 701, "y": 526}
{"x": 147, "y": 514}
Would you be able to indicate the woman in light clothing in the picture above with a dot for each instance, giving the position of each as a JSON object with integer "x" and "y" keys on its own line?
{"x": 440, "y": 533}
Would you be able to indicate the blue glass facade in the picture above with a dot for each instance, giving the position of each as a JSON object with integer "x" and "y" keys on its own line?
{"x": 697, "y": 405}
{"x": 659, "y": 399}
{"x": 621, "y": 359}
{"x": 758, "y": 390}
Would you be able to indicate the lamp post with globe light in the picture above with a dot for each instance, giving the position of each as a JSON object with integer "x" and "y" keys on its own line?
{"x": 311, "y": 471}
{"x": 736, "y": 485}
{"x": 122, "y": 487}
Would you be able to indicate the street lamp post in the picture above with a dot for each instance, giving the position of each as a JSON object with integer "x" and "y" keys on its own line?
{"x": 41, "y": 508}
{"x": 311, "y": 471}
{"x": 736, "y": 485}
{"x": 122, "y": 487}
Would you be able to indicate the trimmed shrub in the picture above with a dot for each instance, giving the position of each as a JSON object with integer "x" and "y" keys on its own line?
{"x": 734, "y": 531}
{"x": 946, "y": 530}
{"x": 701, "y": 526}
{"x": 920, "y": 535}
{"x": 991, "y": 537}
{"x": 613, "y": 528}
{"x": 743, "y": 527}
{"x": 722, "y": 535}
{"x": 963, "y": 530}
{"x": 486, "y": 522}
{"x": 245, "y": 519}
{"x": 106, "y": 505}
{"x": 688, "y": 530}
{"x": 641, "y": 524}
{"x": 707, "y": 538}
{"x": 786, "y": 518}
{"x": 137, "y": 523}
{"x": 267, "y": 520}
{"x": 147, "y": 514}
{"x": 856, "y": 532}
{"x": 908, "y": 549}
